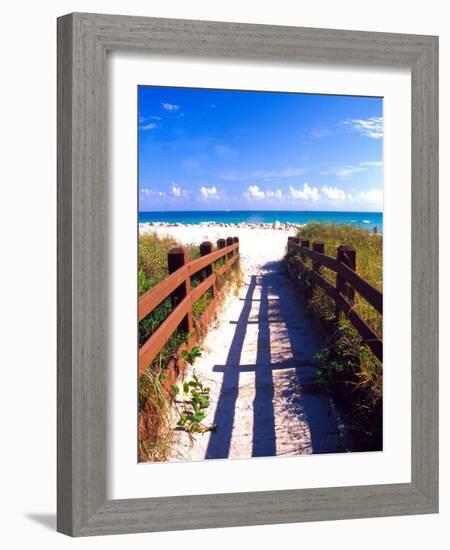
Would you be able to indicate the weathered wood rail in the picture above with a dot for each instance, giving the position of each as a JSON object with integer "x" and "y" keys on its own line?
{"x": 347, "y": 282}
{"x": 177, "y": 287}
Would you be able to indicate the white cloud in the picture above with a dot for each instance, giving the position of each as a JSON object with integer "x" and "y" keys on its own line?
{"x": 145, "y": 122}
{"x": 277, "y": 194}
{"x": 372, "y": 196}
{"x": 177, "y": 191}
{"x": 307, "y": 193}
{"x": 146, "y": 192}
{"x": 349, "y": 170}
{"x": 335, "y": 194}
{"x": 372, "y": 163}
{"x": 143, "y": 119}
{"x": 320, "y": 132}
{"x": 148, "y": 126}
{"x": 170, "y": 107}
{"x": 209, "y": 192}
{"x": 370, "y": 127}
{"x": 254, "y": 192}
{"x": 269, "y": 194}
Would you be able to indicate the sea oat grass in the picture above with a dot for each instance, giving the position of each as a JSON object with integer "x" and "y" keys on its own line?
{"x": 155, "y": 401}
{"x": 348, "y": 369}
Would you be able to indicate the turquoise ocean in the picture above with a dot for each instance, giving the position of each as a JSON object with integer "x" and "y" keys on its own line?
{"x": 367, "y": 220}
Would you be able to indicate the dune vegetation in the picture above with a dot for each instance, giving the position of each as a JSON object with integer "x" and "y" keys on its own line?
{"x": 346, "y": 366}
{"x": 155, "y": 399}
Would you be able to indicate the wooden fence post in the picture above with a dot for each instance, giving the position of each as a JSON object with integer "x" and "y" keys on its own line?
{"x": 296, "y": 241}
{"x": 206, "y": 248}
{"x": 347, "y": 256}
{"x": 318, "y": 246}
{"x": 221, "y": 243}
{"x": 230, "y": 241}
{"x": 236, "y": 240}
{"x": 304, "y": 243}
{"x": 176, "y": 258}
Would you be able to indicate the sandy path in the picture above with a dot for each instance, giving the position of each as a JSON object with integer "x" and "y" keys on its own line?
{"x": 257, "y": 246}
{"x": 258, "y": 362}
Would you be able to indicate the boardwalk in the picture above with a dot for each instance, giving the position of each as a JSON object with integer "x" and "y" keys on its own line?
{"x": 258, "y": 361}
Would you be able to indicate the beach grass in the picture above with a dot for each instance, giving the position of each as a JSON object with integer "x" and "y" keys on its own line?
{"x": 348, "y": 369}
{"x": 155, "y": 402}
{"x": 369, "y": 260}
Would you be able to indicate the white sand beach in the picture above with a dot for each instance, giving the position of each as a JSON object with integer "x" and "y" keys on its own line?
{"x": 258, "y": 243}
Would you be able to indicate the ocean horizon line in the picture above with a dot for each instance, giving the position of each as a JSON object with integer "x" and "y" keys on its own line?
{"x": 262, "y": 211}
{"x": 367, "y": 220}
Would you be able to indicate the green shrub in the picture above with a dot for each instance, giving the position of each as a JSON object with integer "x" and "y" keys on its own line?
{"x": 369, "y": 260}
{"x": 355, "y": 376}
{"x": 347, "y": 367}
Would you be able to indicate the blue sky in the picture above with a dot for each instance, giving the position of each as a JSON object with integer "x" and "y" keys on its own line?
{"x": 217, "y": 150}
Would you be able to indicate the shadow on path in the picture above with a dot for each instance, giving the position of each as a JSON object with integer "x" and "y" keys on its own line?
{"x": 219, "y": 442}
{"x": 291, "y": 415}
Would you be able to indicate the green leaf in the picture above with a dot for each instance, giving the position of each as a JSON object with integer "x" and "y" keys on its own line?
{"x": 175, "y": 389}
{"x": 185, "y": 389}
{"x": 204, "y": 403}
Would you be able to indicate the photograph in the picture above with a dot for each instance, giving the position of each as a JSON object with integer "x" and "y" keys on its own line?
{"x": 260, "y": 272}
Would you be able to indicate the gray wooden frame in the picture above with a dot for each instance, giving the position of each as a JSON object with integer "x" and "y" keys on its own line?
{"x": 83, "y": 40}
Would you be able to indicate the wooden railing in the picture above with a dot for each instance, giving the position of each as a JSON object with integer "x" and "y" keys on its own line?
{"x": 347, "y": 282}
{"x": 177, "y": 287}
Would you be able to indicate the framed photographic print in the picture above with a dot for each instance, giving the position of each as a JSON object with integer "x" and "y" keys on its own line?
{"x": 247, "y": 276}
